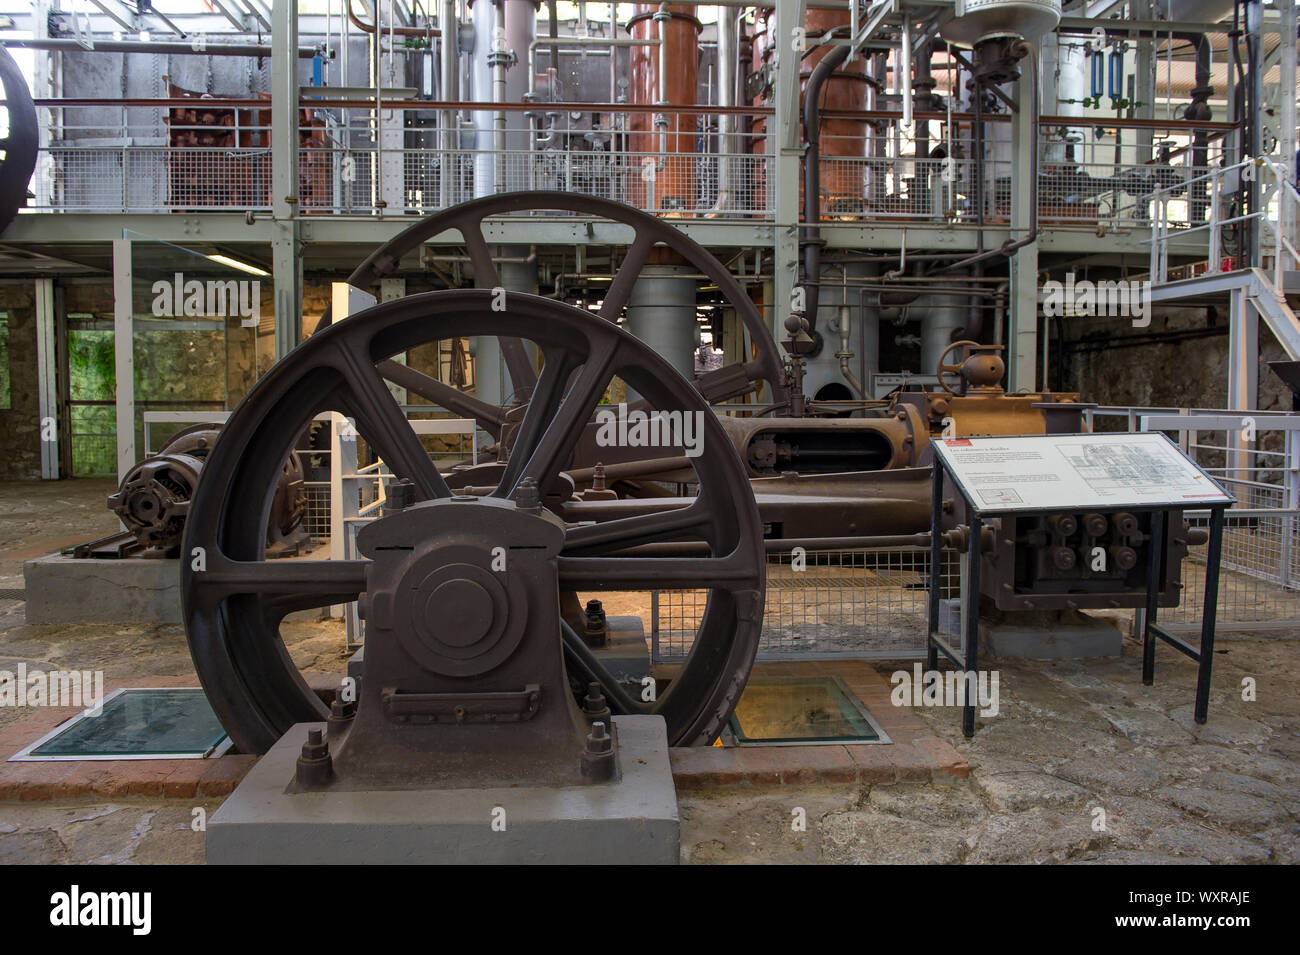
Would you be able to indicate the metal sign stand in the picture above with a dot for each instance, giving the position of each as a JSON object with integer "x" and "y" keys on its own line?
{"x": 969, "y": 659}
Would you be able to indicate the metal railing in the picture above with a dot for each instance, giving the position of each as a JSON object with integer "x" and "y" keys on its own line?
{"x": 1213, "y": 186}
{"x": 351, "y": 166}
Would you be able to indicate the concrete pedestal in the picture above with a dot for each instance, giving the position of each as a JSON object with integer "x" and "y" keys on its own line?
{"x": 631, "y": 821}
{"x": 1050, "y": 635}
{"x": 91, "y": 590}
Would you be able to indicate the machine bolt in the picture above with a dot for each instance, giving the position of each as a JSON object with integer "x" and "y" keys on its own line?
{"x": 314, "y": 765}
{"x": 1125, "y": 524}
{"x": 598, "y": 479}
{"x": 596, "y": 631}
{"x": 1094, "y": 525}
{"x": 401, "y": 495}
{"x": 1063, "y": 524}
{"x": 594, "y": 707}
{"x": 527, "y": 495}
{"x": 598, "y": 759}
{"x": 341, "y": 716}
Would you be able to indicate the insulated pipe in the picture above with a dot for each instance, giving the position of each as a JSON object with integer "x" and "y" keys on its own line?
{"x": 449, "y": 50}
{"x": 728, "y": 65}
{"x": 152, "y": 46}
{"x": 904, "y": 79}
{"x": 661, "y": 312}
{"x": 844, "y": 354}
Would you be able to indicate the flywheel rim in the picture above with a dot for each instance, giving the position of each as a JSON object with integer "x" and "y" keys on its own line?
{"x": 233, "y": 600}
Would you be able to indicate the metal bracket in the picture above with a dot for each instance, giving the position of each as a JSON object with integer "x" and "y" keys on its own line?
{"x": 500, "y": 707}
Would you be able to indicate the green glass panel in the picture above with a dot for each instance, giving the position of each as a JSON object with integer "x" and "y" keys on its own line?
{"x": 141, "y": 723}
{"x": 798, "y": 709}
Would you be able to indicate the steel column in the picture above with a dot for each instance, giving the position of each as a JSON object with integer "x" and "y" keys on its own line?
{"x": 1243, "y": 373}
{"x": 1022, "y": 314}
{"x": 123, "y": 355}
{"x": 47, "y": 382}
{"x": 286, "y": 264}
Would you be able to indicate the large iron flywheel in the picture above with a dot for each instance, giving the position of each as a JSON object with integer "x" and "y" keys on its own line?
{"x": 649, "y": 235}
{"x": 234, "y": 599}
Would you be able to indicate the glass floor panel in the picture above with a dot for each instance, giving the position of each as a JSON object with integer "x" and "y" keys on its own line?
{"x": 801, "y": 710}
{"x": 137, "y": 724}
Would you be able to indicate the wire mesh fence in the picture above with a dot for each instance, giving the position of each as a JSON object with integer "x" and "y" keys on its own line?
{"x": 1259, "y": 572}
{"x": 841, "y": 604}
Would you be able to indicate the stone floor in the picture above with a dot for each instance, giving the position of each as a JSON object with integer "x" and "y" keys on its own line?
{"x": 1082, "y": 765}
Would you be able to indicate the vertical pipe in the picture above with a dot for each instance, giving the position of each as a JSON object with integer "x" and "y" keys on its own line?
{"x": 728, "y": 59}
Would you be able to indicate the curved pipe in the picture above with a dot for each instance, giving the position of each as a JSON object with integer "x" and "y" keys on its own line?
{"x": 400, "y": 31}
{"x": 812, "y": 180}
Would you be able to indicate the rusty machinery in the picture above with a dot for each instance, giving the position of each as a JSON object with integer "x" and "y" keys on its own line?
{"x": 610, "y": 518}
{"x": 470, "y": 664}
{"x": 153, "y": 500}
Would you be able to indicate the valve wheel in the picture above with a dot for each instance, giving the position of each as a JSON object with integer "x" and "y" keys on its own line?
{"x": 945, "y": 369}
{"x": 234, "y": 599}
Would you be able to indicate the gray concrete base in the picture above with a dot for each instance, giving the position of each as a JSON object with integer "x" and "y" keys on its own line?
{"x": 66, "y": 590}
{"x": 1062, "y": 635}
{"x": 632, "y": 821}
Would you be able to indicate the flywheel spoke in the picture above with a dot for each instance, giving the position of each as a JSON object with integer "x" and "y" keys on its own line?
{"x": 381, "y": 421}
{"x": 620, "y": 290}
{"x": 490, "y": 417}
{"x": 590, "y": 540}
{"x": 665, "y": 573}
{"x": 578, "y": 654}
{"x": 554, "y": 422}
{"x": 327, "y": 579}
{"x": 522, "y": 374}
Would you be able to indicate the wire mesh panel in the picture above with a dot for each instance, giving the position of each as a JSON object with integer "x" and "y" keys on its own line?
{"x": 842, "y": 604}
{"x": 1258, "y": 577}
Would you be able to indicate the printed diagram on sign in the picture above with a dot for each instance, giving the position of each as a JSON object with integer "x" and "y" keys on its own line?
{"x": 999, "y": 495}
{"x": 1112, "y": 469}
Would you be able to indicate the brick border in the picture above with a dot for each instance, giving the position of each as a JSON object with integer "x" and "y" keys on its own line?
{"x": 914, "y": 756}
{"x": 119, "y": 779}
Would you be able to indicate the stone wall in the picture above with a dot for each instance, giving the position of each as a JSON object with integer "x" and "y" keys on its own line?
{"x": 1112, "y": 363}
{"x": 20, "y": 426}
